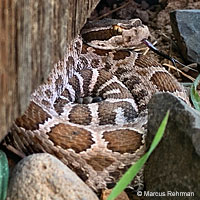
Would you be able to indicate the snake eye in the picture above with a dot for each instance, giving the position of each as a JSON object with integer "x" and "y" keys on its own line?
{"x": 118, "y": 29}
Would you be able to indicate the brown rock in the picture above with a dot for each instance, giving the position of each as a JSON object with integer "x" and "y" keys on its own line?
{"x": 106, "y": 193}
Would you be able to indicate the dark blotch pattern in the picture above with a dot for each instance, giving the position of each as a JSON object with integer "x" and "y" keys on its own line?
{"x": 83, "y": 61}
{"x": 46, "y": 103}
{"x": 71, "y": 137}
{"x": 59, "y": 104}
{"x": 87, "y": 76}
{"x": 33, "y": 116}
{"x": 107, "y": 112}
{"x": 48, "y": 93}
{"x": 123, "y": 141}
{"x": 101, "y": 52}
{"x": 99, "y": 35}
{"x": 95, "y": 63}
{"x": 165, "y": 82}
{"x": 131, "y": 82}
{"x": 66, "y": 94}
{"x": 80, "y": 114}
{"x": 144, "y": 61}
{"x": 103, "y": 77}
{"x": 124, "y": 93}
{"x": 120, "y": 55}
{"x": 74, "y": 82}
{"x": 99, "y": 162}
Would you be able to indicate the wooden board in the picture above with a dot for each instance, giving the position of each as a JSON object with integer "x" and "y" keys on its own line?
{"x": 33, "y": 36}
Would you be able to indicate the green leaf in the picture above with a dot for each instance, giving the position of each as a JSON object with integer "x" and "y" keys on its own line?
{"x": 134, "y": 169}
{"x": 194, "y": 94}
{"x": 4, "y": 174}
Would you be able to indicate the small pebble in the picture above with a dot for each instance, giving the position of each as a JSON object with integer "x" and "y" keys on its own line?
{"x": 80, "y": 100}
{"x": 87, "y": 100}
{"x": 106, "y": 193}
{"x": 97, "y": 99}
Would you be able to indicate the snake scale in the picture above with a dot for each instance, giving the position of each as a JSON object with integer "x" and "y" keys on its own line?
{"x": 91, "y": 112}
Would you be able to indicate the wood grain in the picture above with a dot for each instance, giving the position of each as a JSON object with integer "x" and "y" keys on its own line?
{"x": 33, "y": 36}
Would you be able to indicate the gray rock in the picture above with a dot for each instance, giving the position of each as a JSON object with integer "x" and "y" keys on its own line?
{"x": 186, "y": 28}
{"x": 175, "y": 163}
{"x": 42, "y": 176}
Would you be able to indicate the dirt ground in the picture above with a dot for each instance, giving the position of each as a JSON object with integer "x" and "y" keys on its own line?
{"x": 155, "y": 14}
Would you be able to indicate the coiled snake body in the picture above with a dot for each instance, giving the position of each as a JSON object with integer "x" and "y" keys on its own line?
{"x": 101, "y": 138}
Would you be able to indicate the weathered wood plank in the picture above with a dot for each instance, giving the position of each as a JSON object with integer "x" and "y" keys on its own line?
{"x": 33, "y": 35}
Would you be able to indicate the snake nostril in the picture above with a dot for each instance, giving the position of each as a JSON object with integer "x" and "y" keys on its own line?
{"x": 127, "y": 39}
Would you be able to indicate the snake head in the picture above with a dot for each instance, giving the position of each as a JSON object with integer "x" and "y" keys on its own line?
{"x": 115, "y": 34}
